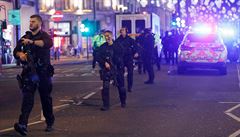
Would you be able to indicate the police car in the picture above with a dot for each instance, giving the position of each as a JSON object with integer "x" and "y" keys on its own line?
{"x": 199, "y": 50}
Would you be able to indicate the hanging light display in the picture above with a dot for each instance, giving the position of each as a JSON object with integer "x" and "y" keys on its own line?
{"x": 214, "y": 9}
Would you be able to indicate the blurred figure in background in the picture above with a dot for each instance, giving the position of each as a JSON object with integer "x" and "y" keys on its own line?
{"x": 98, "y": 40}
{"x": 130, "y": 51}
{"x": 148, "y": 52}
{"x": 165, "y": 43}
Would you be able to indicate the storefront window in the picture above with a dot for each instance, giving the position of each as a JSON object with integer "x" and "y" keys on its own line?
{"x": 62, "y": 28}
{"x": 7, "y": 45}
{"x": 62, "y": 37}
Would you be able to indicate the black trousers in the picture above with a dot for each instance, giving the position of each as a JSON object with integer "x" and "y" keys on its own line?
{"x": 166, "y": 55}
{"x": 28, "y": 91}
{"x": 140, "y": 67}
{"x": 129, "y": 65}
{"x": 157, "y": 59}
{"x": 149, "y": 67}
{"x": 172, "y": 59}
{"x": 121, "y": 89}
{"x": 94, "y": 59}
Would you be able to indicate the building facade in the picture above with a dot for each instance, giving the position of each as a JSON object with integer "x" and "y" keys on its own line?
{"x": 13, "y": 32}
{"x": 64, "y": 18}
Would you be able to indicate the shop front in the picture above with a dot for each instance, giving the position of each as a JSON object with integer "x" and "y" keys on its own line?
{"x": 7, "y": 45}
{"x": 62, "y": 37}
{"x": 7, "y": 34}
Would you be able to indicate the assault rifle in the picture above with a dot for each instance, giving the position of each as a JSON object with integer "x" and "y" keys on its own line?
{"x": 29, "y": 67}
{"x": 110, "y": 74}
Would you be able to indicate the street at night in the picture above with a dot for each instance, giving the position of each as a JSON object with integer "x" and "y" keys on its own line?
{"x": 199, "y": 103}
{"x": 120, "y": 68}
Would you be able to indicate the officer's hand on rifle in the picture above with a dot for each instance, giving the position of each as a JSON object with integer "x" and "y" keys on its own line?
{"x": 26, "y": 41}
{"x": 107, "y": 66}
{"x": 22, "y": 56}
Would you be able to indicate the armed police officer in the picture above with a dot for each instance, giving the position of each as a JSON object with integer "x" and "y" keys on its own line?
{"x": 33, "y": 50}
{"x": 148, "y": 53}
{"x": 110, "y": 59}
{"x": 129, "y": 51}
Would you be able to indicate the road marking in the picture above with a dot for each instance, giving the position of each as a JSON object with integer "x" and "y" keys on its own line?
{"x": 12, "y": 128}
{"x": 89, "y": 95}
{"x": 69, "y": 75}
{"x": 235, "y": 134}
{"x": 233, "y": 108}
{"x": 230, "y": 114}
{"x": 86, "y": 97}
{"x": 233, "y": 116}
{"x": 78, "y": 103}
{"x": 87, "y": 74}
{"x": 229, "y": 102}
{"x": 42, "y": 119}
{"x": 69, "y": 70}
{"x": 67, "y": 100}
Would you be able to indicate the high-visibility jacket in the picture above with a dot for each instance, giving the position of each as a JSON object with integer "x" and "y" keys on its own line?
{"x": 98, "y": 40}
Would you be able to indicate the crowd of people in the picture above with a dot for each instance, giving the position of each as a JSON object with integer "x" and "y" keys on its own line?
{"x": 116, "y": 56}
{"x": 113, "y": 57}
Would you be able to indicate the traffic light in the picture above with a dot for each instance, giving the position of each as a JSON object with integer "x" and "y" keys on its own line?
{"x": 89, "y": 28}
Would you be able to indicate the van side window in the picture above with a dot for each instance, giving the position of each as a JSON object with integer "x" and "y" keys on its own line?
{"x": 140, "y": 25}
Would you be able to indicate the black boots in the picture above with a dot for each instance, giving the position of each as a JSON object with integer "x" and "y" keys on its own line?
{"x": 21, "y": 129}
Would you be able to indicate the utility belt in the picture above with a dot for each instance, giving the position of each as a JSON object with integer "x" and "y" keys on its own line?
{"x": 27, "y": 77}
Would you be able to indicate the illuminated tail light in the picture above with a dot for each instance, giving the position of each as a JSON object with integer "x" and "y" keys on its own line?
{"x": 186, "y": 48}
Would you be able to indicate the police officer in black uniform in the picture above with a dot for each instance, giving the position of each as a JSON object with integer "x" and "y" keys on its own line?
{"x": 36, "y": 74}
{"x": 130, "y": 51}
{"x": 148, "y": 53}
{"x": 139, "y": 41}
{"x": 110, "y": 59}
